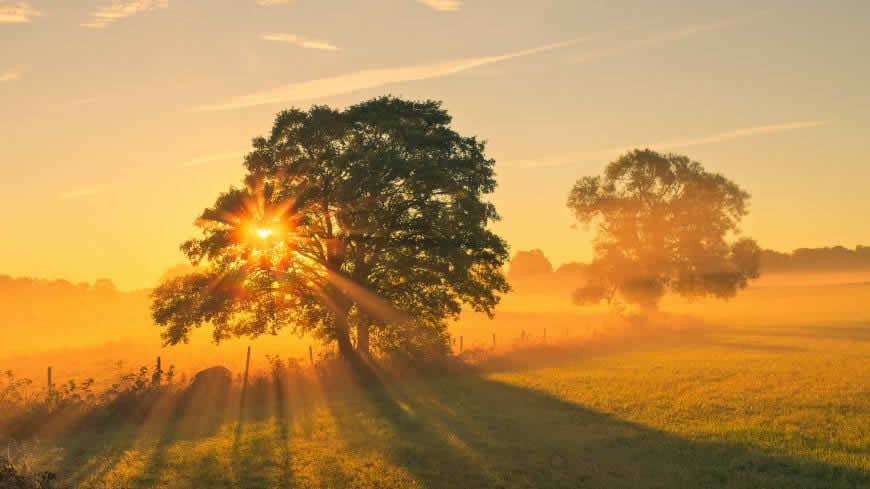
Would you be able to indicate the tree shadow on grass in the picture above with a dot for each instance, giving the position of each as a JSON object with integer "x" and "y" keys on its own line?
{"x": 196, "y": 414}
{"x": 255, "y": 458}
{"x": 97, "y": 440}
{"x": 469, "y": 432}
{"x": 558, "y": 354}
{"x": 262, "y": 456}
{"x": 90, "y": 455}
{"x": 375, "y": 423}
{"x": 92, "y": 448}
{"x": 464, "y": 431}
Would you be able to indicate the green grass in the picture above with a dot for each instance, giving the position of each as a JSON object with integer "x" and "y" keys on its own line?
{"x": 766, "y": 407}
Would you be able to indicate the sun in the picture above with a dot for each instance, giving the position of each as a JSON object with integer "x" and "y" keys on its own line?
{"x": 264, "y": 233}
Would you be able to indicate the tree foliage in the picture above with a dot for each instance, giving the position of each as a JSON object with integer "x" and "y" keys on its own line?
{"x": 358, "y": 223}
{"x": 663, "y": 223}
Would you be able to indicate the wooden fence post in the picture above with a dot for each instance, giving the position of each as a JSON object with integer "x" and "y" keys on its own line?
{"x": 245, "y": 383}
{"x": 49, "y": 380}
{"x": 545, "y": 335}
{"x": 247, "y": 366}
{"x": 460, "y": 344}
{"x": 493, "y": 341}
{"x": 158, "y": 373}
{"x": 311, "y": 355}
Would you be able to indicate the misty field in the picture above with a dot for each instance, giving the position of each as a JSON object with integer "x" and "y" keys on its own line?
{"x": 748, "y": 407}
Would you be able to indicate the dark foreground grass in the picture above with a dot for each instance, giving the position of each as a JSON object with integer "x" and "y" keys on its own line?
{"x": 751, "y": 408}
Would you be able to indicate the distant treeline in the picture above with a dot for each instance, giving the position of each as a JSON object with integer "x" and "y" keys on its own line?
{"x": 804, "y": 260}
{"x": 533, "y": 264}
{"x": 40, "y": 314}
{"x": 45, "y": 289}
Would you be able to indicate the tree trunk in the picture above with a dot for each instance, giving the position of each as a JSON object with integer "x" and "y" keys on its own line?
{"x": 356, "y": 362}
{"x": 342, "y": 328}
{"x": 340, "y": 305}
{"x": 362, "y": 339}
{"x": 345, "y": 347}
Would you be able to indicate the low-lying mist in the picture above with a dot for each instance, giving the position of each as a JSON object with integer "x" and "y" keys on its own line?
{"x": 94, "y": 330}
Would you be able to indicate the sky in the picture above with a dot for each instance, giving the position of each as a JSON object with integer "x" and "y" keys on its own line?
{"x": 120, "y": 120}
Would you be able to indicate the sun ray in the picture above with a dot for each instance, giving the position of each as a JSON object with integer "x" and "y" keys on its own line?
{"x": 368, "y": 301}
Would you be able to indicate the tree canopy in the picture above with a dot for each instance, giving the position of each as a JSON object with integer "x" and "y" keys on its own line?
{"x": 663, "y": 223}
{"x": 366, "y": 223}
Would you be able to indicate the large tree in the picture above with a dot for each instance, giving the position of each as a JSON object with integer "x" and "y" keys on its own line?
{"x": 366, "y": 223}
{"x": 663, "y": 224}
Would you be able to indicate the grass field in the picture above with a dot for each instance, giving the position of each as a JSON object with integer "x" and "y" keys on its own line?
{"x": 751, "y": 407}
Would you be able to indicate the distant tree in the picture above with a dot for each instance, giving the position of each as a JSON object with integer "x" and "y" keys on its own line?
{"x": 369, "y": 222}
{"x": 663, "y": 224}
{"x": 105, "y": 286}
{"x": 530, "y": 263}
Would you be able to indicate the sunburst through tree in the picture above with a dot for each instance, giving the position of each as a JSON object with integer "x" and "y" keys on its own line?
{"x": 369, "y": 223}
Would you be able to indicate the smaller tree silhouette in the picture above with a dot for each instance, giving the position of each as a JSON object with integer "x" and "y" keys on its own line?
{"x": 663, "y": 224}
{"x": 530, "y": 263}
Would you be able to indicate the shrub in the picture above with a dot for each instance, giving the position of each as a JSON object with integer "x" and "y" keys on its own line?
{"x": 414, "y": 345}
{"x": 23, "y": 412}
{"x": 12, "y": 477}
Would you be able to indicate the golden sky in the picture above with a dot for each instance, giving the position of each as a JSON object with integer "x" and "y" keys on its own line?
{"x": 121, "y": 119}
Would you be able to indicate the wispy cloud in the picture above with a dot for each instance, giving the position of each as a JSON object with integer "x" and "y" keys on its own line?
{"x": 85, "y": 192}
{"x": 682, "y": 32}
{"x": 10, "y": 76}
{"x": 271, "y": 3}
{"x": 17, "y": 13}
{"x": 738, "y": 133}
{"x": 364, "y": 79}
{"x": 121, "y": 9}
{"x": 291, "y": 38}
{"x": 231, "y": 155}
{"x": 667, "y": 145}
{"x": 442, "y": 5}
{"x": 319, "y": 45}
{"x": 300, "y": 41}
